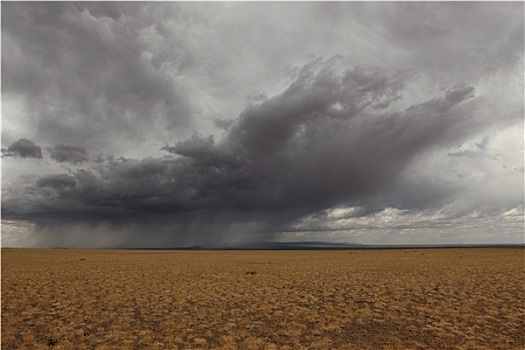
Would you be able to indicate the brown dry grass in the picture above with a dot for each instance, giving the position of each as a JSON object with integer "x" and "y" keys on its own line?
{"x": 375, "y": 299}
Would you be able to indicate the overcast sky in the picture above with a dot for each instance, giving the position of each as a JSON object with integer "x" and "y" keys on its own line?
{"x": 156, "y": 124}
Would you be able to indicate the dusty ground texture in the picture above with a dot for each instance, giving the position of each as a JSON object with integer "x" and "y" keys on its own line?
{"x": 348, "y": 299}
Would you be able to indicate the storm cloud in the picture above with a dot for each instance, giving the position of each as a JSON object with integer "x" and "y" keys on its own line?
{"x": 194, "y": 143}
{"x": 68, "y": 153}
{"x": 23, "y": 148}
{"x": 104, "y": 86}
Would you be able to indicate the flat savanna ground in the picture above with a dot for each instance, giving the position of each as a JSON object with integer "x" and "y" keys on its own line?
{"x": 337, "y": 299}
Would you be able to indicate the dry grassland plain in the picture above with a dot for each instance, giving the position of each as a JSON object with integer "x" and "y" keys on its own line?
{"x": 337, "y": 299}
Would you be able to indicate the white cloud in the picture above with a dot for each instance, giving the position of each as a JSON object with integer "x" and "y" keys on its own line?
{"x": 444, "y": 225}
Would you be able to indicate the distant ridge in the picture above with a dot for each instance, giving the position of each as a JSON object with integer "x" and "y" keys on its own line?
{"x": 330, "y": 245}
{"x": 319, "y": 245}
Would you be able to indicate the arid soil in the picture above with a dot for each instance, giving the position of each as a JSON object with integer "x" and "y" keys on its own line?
{"x": 333, "y": 299}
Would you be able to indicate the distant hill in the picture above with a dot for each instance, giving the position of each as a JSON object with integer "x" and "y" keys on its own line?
{"x": 320, "y": 245}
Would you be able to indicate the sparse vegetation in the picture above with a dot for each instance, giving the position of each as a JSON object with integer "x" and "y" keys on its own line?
{"x": 347, "y": 299}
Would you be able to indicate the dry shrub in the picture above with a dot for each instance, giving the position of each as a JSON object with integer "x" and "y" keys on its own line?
{"x": 363, "y": 299}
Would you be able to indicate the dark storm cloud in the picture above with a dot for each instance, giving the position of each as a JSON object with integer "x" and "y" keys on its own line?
{"x": 60, "y": 182}
{"x": 326, "y": 140}
{"x": 73, "y": 154}
{"x": 56, "y": 181}
{"x": 86, "y": 73}
{"x": 23, "y": 148}
{"x": 276, "y": 140}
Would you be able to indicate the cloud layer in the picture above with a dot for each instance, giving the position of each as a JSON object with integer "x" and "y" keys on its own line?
{"x": 161, "y": 136}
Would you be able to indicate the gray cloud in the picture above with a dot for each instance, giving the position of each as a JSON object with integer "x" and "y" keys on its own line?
{"x": 219, "y": 123}
{"x": 73, "y": 154}
{"x": 58, "y": 182}
{"x": 436, "y": 33}
{"x": 86, "y": 92}
{"x": 324, "y": 141}
{"x": 23, "y": 148}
